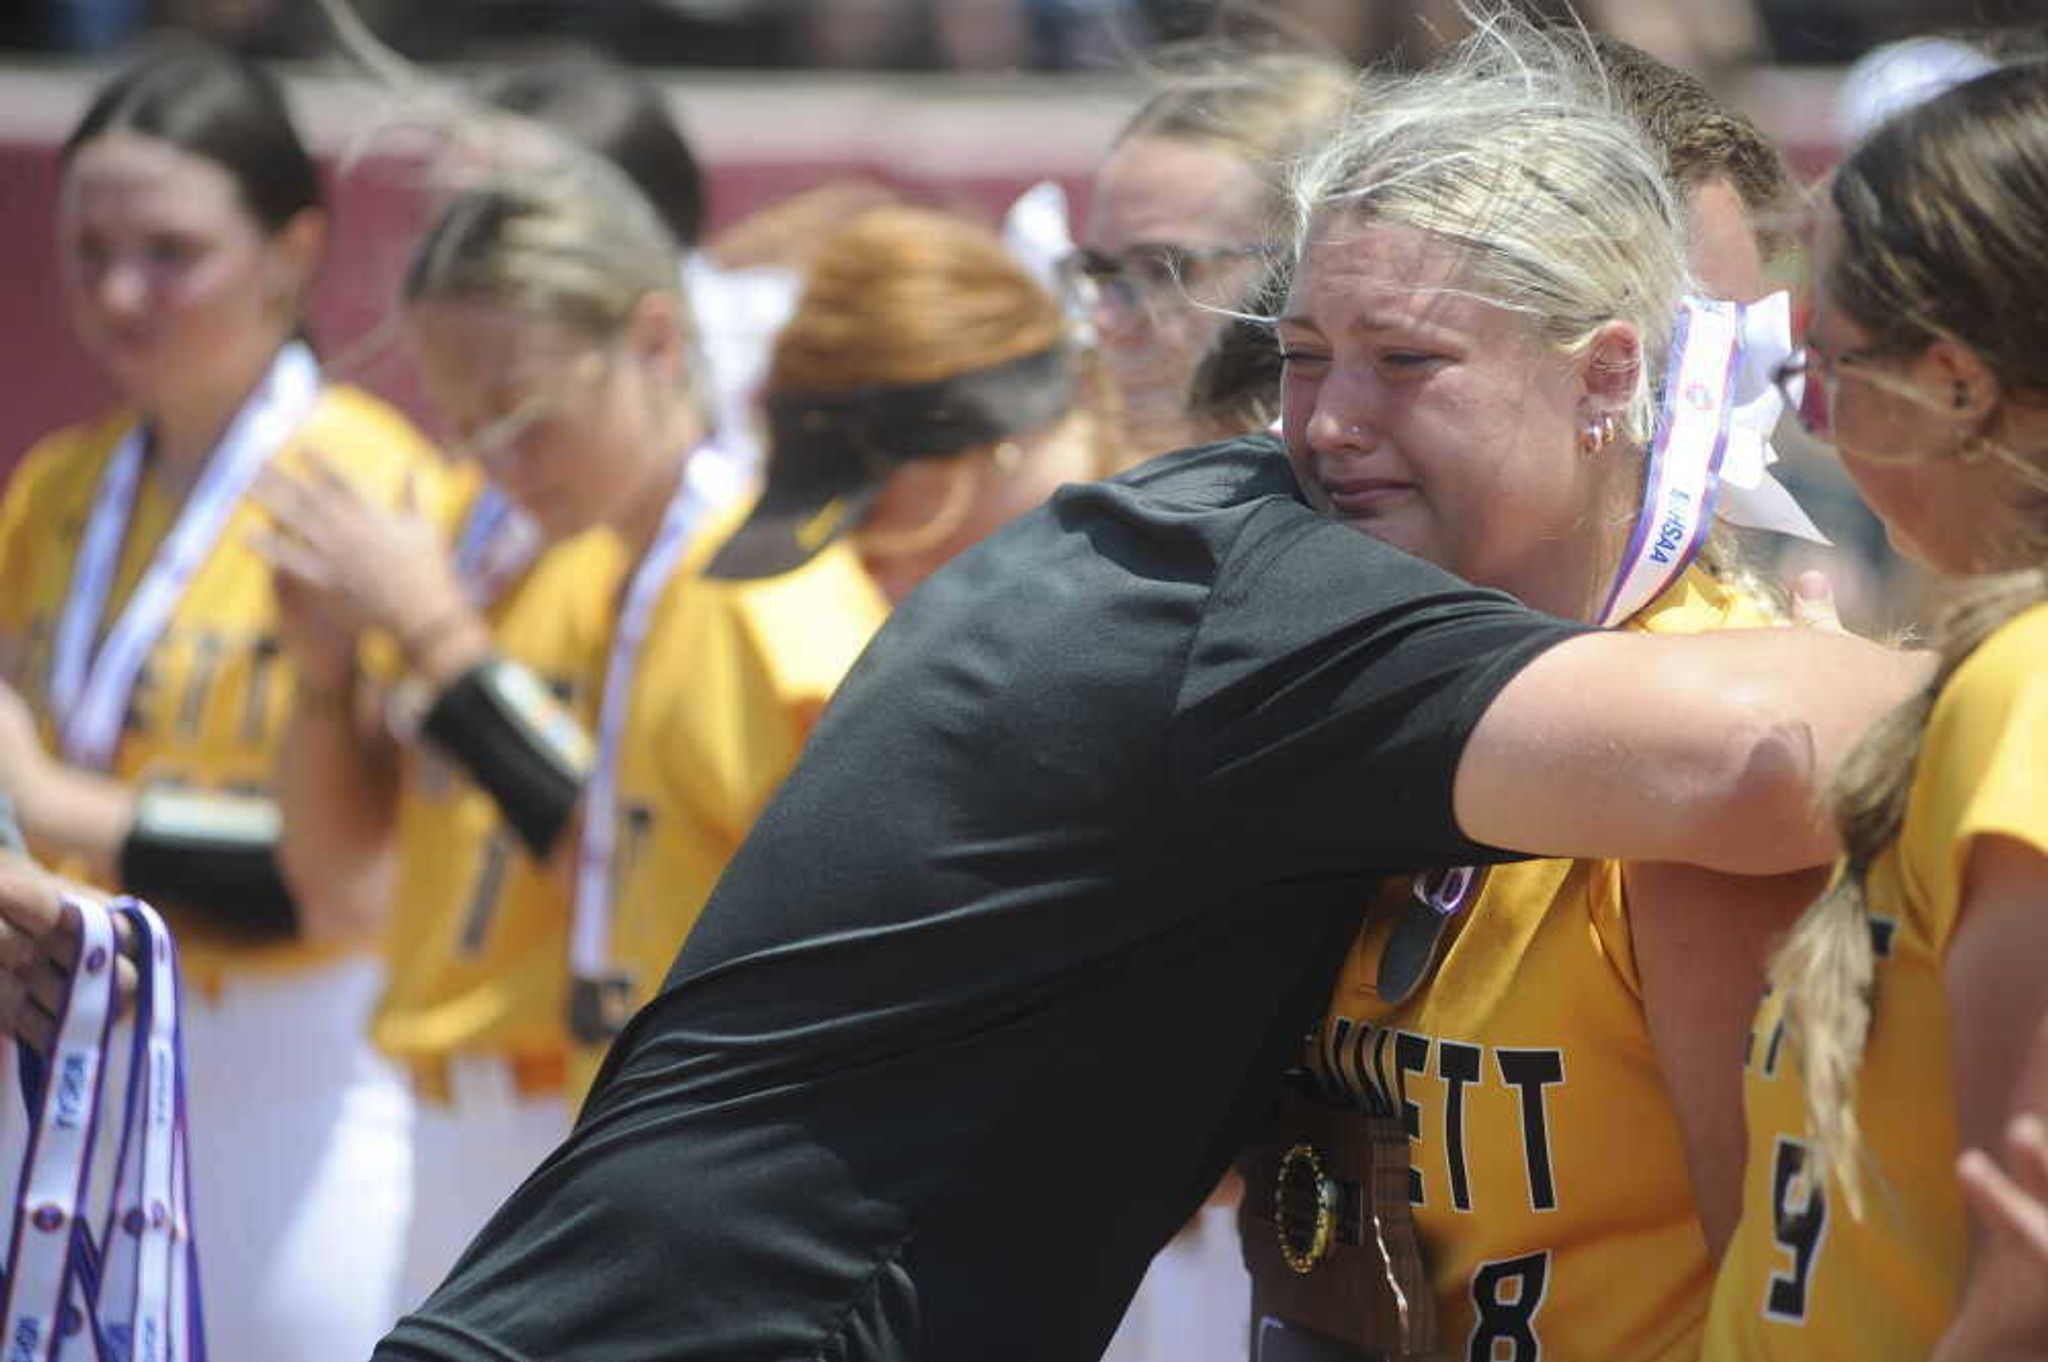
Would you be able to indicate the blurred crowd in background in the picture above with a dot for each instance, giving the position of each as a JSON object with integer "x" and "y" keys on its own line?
{"x": 987, "y": 35}
{"x": 1728, "y": 42}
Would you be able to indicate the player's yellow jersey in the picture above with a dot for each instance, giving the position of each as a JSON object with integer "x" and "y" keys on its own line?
{"x": 731, "y": 680}
{"x": 1547, "y": 1177}
{"x": 477, "y": 942}
{"x": 213, "y": 696}
{"x": 1802, "y": 1278}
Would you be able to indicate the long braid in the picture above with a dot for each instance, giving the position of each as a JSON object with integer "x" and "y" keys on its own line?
{"x": 1826, "y": 967}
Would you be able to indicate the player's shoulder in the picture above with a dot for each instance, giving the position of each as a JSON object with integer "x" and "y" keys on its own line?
{"x": 66, "y": 463}
{"x": 2015, "y": 651}
{"x": 364, "y": 430}
{"x": 804, "y": 627}
{"x": 2008, "y": 671}
{"x": 1702, "y": 600}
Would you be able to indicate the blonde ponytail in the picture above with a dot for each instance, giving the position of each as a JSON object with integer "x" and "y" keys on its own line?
{"x": 1826, "y": 968}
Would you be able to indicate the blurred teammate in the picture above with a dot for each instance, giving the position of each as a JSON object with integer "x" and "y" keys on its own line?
{"x": 1903, "y": 1002}
{"x": 145, "y": 639}
{"x": 619, "y": 114}
{"x": 1182, "y": 217}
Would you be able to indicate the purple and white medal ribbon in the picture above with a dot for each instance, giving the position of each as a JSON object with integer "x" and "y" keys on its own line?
{"x": 1684, "y": 458}
{"x": 498, "y": 542}
{"x": 89, "y": 688}
{"x": 56, "y": 1171}
{"x": 131, "y": 1292}
{"x": 590, "y": 934}
{"x": 1711, "y": 453}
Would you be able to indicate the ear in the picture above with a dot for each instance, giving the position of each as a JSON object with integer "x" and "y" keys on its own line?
{"x": 656, "y": 334}
{"x": 1964, "y": 388}
{"x": 1609, "y": 367}
{"x": 295, "y": 252}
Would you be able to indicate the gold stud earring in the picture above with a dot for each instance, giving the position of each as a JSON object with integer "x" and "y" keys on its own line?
{"x": 1008, "y": 457}
{"x": 1596, "y": 435}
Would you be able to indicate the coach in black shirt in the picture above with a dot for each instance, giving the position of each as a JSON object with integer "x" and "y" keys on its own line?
{"x": 993, "y": 992}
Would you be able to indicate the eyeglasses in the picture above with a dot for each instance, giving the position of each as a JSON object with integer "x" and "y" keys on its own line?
{"x": 1816, "y": 417}
{"x": 496, "y": 437}
{"x": 1142, "y": 273}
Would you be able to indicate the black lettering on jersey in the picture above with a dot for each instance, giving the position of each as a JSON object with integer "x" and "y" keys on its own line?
{"x": 482, "y": 908}
{"x": 636, "y": 820}
{"x": 142, "y": 696}
{"x": 207, "y": 647}
{"x": 1331, "y": 1078}
{"x": 1507, "y": 1294}
{"x": 264, "y": 655}
{"x": 1382, "y": 1041}
{"x": 1378, "y": 1101}
{"x": 1529, "y": 1072}
{"x": 1411, "y": 1056}
{"x": 1775, "y": 1048}
{"x": 1347, "y": 1075}
{"x": 1799, "y": 1215}
{"x": 1458, "y": 1066}
{"x": 1883, "y": 931}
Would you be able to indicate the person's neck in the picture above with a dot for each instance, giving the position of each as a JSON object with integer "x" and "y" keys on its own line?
{"x": 641, "y": 518}
{"x": 186, "y": 426}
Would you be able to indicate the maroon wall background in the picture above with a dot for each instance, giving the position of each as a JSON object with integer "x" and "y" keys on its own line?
{"x": 885, "y": 135}
{"x": 970, "y": 145}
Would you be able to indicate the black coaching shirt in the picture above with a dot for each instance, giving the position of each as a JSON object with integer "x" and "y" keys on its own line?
{"x": 999, "y": 983}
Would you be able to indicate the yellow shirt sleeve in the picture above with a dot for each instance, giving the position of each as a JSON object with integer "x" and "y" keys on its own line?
{"x": 1983, "y": 765}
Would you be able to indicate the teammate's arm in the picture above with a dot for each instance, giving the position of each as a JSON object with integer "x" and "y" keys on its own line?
{"x": 1708, "y": 749}
{"x": 336, "y": 779}
{"x": 1996, "y": 979}
{"x": 1701, "y": 940}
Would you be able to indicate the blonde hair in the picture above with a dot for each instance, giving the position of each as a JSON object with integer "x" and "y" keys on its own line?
{"x": 1512, "y": 149}
{"x": 1265, "y": 108}
{"x": 1939, "y": 212}
{"x": 562, "y": 236}
{"x": 533, "y": 220}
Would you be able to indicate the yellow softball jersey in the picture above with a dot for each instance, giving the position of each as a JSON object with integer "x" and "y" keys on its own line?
{"x": 731, "y": 679}
{"x": 1547, "y": 1176}
{"x": 478, "y": 935}
{"x": 1802, "y": 1278}
{"x": 212, "y": 698}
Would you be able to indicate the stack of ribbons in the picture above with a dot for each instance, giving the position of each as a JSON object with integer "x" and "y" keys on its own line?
{"x": 122, "y": 1284}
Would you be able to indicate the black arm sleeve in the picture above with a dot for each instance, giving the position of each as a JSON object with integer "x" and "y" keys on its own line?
{"x": 519, "y": 746}
{"x": 1330, "y": 692}
{"x": 217, "y": 853}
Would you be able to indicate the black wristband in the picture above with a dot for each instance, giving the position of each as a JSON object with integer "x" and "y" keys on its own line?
{"x": 520, "y": 747}
{"x": 215, "y": 853}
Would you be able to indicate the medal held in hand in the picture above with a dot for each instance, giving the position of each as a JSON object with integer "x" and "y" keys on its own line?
{"x": 113, "y": 1278}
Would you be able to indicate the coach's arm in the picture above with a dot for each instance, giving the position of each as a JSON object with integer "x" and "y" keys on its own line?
{"x": 1712, "y": 749}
